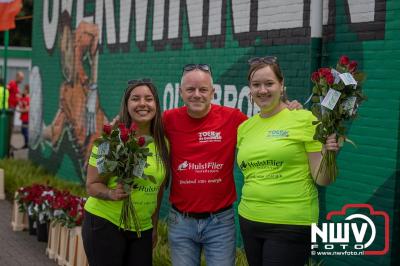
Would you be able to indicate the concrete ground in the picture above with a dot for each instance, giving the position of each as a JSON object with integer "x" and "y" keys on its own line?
{"x": 19, "y": 248}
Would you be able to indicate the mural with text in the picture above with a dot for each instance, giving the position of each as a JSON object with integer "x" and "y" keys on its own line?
{"x": 89, "y": 49}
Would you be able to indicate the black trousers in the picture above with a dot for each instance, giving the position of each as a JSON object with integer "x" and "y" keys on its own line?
{"x": 107, "y": 245}
{"x": 275, "y": 244}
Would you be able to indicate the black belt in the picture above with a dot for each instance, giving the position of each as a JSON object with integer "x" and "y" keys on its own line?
{"x": 201, "y": 215}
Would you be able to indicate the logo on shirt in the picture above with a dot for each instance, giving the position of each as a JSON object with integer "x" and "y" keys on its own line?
{"x": 264, "y": 164}
{"x": 208, "y": 167}
{"x": 183, "y": 166}
{"x": 210, "y": 136}
{"x": 278, "y": 133}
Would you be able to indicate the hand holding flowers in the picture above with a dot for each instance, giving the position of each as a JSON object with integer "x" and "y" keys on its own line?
{"x": 336, "y": 96}
{"x": 123, "y": 154}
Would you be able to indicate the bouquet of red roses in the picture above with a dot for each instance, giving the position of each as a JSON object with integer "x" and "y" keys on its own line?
{"x": 336, "y": 96}
{"x": 124, "y": 155}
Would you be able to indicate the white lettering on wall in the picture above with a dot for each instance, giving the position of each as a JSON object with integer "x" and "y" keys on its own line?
{"x": 158, "y": 21}
{"x": 195, "y": 17}
{"x": 361, "y": 10}
{"x": 173, "y": 19}
{"x": 241, "y": 15}
{"x": 108, "y": 6}
{"x": 79, "y": 13}
{"x": 124, "y": 20}
{"x": 272, "y": 14}
{"x": 66, "y": 5}
{"x": 50, "y": 25}
{"x": 140, "y": 19}
{"x": 214, "y": 17}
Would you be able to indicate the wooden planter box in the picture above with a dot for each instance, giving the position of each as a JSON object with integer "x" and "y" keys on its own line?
{"x": 76, "y": 253}
{"x": 63, "y": 243}
{"x": 53, "y": 242}
{"x": 19, "y": 220}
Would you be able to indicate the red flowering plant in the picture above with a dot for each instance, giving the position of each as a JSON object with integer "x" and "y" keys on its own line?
{"x": 36, "y": 200}
{"x": 336, "y": 96}
{"x": 123, "y": 154}
{"x": 68, "y": 209}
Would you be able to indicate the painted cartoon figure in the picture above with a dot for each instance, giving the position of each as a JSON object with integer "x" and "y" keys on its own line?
{"x": 79, "y": 110}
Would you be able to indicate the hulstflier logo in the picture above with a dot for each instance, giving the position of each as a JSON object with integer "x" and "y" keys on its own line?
{"x": 183, "y": 166}
{"x": 352, "y": 233}
{"x": 207, "y": 167}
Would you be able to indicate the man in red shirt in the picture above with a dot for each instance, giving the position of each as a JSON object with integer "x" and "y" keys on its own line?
{"x": 202, "y": 138}
{"x": 13, "y": 88}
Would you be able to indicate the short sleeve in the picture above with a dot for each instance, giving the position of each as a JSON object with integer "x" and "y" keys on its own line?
{"x": 310, "y": 144}
{"x": 93, "y": 156}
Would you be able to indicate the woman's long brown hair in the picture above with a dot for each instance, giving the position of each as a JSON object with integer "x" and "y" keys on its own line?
{"x": 156, "y": 125}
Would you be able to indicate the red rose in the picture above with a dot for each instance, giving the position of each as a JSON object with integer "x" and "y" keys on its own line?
{"x": 124, "y": 135}
{"x": 315, "y": 76}
{"x": 329, "y": 79}
{"x": 323, "y": 72}
{"x": 344, "y": 60}
{"x": 133, "y": 127}
{"x": 141, "y": 141}
{"x": 107, "y": 129}
{"x": 352, "y": 66}
{"x": 121, "y": 126}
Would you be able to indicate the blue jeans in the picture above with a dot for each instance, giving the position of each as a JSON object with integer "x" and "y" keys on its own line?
{"x": 215, "y": 234}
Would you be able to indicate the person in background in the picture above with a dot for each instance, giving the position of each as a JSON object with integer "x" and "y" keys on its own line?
{"x": 104, "y": 242}
{"x": 24, "y": 110}
{"x": 14, "y": 94}
{"x": 280, "y": 160}
{"x": 3, "y": 102}
{"x": 13, "y": 89}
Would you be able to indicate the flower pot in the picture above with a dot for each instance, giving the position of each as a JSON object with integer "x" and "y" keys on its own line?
{"x": 63, "y": 246}
{"x": 81, "y": 259}
{"x": 74, "y": 234}
{"x": 32, "y": 225}
{"x": 42, "y": 231}
{"x": 54, "y": 236}
{"x": 19, "y": 220}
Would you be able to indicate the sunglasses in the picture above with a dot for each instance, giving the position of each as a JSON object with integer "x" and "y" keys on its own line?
{"x": 266, "y": 60}
{"x": 203, "y": 67}
{"x": 140, "y": 81}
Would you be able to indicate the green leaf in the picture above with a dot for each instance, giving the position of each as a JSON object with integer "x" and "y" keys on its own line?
{"x": 111, "y": 165}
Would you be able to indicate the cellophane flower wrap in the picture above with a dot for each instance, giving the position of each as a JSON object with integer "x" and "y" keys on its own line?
{"x": 123, "y": 154}
{"x": 336, "y": 97}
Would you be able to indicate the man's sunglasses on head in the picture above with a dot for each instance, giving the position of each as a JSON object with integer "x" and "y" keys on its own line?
{"x": 203, "y": 67}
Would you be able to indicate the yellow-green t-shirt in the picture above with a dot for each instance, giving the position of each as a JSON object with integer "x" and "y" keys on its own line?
{"x": 2, "y": 98}
{"x": 144, "y": 195}
{"x": 272, "y": 154}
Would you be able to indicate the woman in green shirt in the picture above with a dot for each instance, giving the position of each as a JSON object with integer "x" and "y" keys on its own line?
{"x": 104, "y": 242}
{"x": 279, "y": 159}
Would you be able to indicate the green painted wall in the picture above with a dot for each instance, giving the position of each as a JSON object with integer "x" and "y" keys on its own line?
{"x": 366, "y": 32}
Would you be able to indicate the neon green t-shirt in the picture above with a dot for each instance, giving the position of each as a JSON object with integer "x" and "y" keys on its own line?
{"x": 144, "y": 195}
{"x": 272, "y": 154}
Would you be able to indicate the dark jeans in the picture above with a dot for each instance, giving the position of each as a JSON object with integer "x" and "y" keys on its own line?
{"x": 25, "y": 133}
{"x": 275, "y": 244}
{"x": 107, "y": 245}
